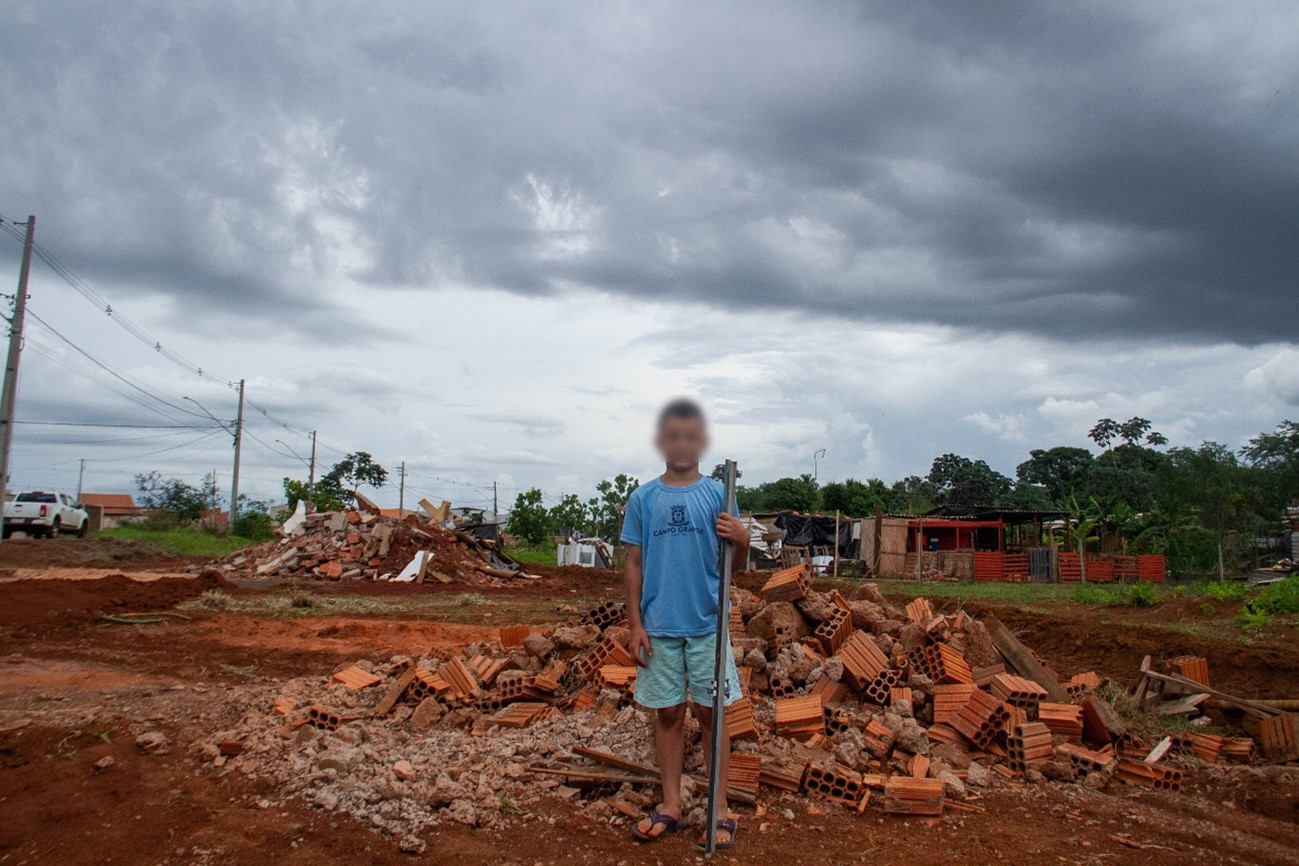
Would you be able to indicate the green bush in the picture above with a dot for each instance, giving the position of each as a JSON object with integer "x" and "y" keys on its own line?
{"x": 1222, "y": 590}
{"x": 1090, "y": 593}
{"x": 1123, "y": 595}
{"x": 1252, "y": 620}
{"x": 1141, "y": 595}
{"x": 1280, "y": 597}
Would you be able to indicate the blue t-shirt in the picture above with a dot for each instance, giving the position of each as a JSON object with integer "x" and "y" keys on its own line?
{"x": 676, "y": 530}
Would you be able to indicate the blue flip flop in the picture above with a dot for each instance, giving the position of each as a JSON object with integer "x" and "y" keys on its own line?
{"x": 729, "y": 825}
{"x": 670, "y": 825}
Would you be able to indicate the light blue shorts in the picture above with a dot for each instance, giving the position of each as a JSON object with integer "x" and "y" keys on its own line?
{"x": 679, "y": 663}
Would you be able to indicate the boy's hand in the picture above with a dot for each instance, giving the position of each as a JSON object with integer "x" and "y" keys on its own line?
{"x": 638, "y": 641}
{"x": 729, "y": 528}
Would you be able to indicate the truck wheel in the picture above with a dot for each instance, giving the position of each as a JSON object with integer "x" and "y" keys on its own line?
{"x": 55, "y": 528}
{"x": 83, "y": 529}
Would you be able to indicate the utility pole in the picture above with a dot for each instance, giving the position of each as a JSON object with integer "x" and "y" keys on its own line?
{"x": 311, "y": 478}
{"x": 401, "y": 493}
{"x": 496, "y": 514}
{"x": 81, "y": 476}
{"x": 239, "y": 441}
{"x": 10, "y": 393}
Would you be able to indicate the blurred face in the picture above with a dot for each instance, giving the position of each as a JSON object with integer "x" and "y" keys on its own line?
{"x": 682, "y": 441}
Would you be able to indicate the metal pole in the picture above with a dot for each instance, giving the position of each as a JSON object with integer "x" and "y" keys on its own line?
{"x": 496, "y": 514}
{"x": 10, "y": 393}
{"x": 401, "y": 493}
{"x": 311, "y": 478}
{"x": 239, "y": 441}
{"x": 716, "y": 792}
{"x": 81, "y": 477}
{"x": 836, "y": 543}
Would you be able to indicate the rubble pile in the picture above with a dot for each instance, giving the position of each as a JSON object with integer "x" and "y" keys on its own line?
{"x": 856, "y": 701}
{"x": 364, "y": 544}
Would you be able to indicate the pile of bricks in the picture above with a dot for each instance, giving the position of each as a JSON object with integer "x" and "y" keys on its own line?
{"x": 858, "y": 702}
{"x": 363, "y": 544}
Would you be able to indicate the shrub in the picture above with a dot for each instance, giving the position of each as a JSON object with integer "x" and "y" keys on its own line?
{"x": 302, "y": 600}
{"x": 215, "y": 599}
{"x": 1126, "y": 595}
{"x": 1222, "y": 590}
{"x": 1090, "y": 593}
{"x": 1252, "y": 620}
{"x": 1280, "y": 597}
{"x": 1141, "y": 595}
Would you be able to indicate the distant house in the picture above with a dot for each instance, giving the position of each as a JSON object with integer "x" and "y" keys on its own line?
{"x": 107, "y": 510}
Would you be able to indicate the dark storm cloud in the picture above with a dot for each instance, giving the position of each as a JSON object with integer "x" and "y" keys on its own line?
{"x": 1074, "y": 170}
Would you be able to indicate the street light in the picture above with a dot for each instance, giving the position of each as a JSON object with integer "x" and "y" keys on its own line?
{"x": 223, "y": 425}
{"x": 815, "y": 454}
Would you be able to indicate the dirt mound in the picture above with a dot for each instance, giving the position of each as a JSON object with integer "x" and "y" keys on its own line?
{"x": 1071, "y": 636}
{"x": 589, "y": 581}
{"x": 78, "y": 552}
{"x": 43, "y": 607}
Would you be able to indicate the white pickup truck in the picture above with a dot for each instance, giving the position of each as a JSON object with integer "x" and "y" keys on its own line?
{"x": 39, "y": 513}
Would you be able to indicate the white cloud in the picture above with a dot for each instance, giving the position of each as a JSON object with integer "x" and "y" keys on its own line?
{"x": 1007, "y": 427}
{"x": 1277, "y": 379}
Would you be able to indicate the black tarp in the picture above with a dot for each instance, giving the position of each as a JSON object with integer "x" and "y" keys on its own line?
{"x": 812, "y": 530}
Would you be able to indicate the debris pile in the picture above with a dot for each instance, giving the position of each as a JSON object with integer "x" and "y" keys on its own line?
{"x": 364, "y": 544}
{"x": 856, "y": 701}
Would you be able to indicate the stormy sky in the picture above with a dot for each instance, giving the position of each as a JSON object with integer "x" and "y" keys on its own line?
{"x": 490, "y": 239}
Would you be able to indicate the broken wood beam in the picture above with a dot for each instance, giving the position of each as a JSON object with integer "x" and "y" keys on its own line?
{"x": 1023, "y": 662}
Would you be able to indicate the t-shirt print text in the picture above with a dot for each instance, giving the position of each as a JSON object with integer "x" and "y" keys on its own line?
{"x": 678, "y": 523}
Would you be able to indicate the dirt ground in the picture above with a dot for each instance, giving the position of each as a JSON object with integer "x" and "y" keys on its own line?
{"x": 75, "y": 689}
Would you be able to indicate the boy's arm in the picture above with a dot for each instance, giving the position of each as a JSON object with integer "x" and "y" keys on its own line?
{"x": 635, "y": 579}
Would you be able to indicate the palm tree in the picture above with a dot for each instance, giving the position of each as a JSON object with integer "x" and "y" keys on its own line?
{"x": 1081, "y": 533}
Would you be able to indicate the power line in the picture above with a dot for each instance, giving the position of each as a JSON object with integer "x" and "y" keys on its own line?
{"x": 124, "y": 426}
{"x": 119, "y": 376}
{"x": 102, "y": 304}
{"x": 79, "y": 442}
{"x": 103, "y": 382}
{"x": 194, "y": 441}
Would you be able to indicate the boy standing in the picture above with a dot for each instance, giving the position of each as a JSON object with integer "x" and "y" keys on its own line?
{"x": 673, "y": 528}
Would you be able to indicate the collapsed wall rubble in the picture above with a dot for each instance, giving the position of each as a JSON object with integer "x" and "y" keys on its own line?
{"x": 364, "y": 544}
{"x": 915, "y": 713}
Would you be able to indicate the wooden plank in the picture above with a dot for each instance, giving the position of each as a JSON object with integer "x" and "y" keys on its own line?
{"x": 1186, "y": 706}
{"x": 1023, "y": 662}
{"x": 1258, "y": 709}
{"x": 615, "y": 761}
{"x": 1161, "y": 748}
{"x": 394, "y": 693}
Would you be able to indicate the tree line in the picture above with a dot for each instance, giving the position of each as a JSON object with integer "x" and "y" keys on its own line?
{"x": 1187, "y": 503}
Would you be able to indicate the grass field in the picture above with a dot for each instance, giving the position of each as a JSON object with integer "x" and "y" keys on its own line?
{"x": 187, "y": 541}
{"x": 540, "y": 555}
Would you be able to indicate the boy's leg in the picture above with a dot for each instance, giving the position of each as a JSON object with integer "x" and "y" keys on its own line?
{"x": 670, "y": 751}
{"x": 701, "y": 661}
{"x": 661, "y": 688}
{"x": 705, "y": 716}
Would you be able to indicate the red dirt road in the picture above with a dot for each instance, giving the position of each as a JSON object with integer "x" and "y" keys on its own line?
{"x": 74, "y": 690}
